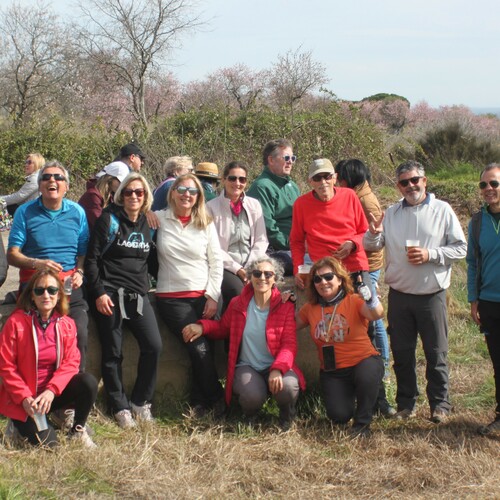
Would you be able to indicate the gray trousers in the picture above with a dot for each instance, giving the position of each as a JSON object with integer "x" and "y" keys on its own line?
{"x": 425, "y": 315}
{"x": 251, "y": 388}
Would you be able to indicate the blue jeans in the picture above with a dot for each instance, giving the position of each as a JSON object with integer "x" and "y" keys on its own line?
{"x": 381, "y": 341}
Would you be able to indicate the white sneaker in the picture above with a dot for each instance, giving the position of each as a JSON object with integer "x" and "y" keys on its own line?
{"x": 142, "y": 413}
{"x": 81, "y": 434}
{"x": 63, "y": 419}
{"x": 124, "y": 419}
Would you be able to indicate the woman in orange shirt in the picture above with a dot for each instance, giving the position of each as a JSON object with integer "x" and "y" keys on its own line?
{"x": 350, "y": 367}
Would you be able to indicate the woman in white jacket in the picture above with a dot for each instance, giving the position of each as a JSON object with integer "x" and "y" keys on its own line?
{"x": 189, "y": 282}
{"x": 29, "y": 190}
{"x": 241, "y": 229}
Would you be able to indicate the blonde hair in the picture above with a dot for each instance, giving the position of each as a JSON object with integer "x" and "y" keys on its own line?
{"x": 175, "y": 164}
{"x": 148, "y": 196}
{"x": 199, "y": 215}
{"x": 103, "y": 185}
{"x": 37, "y": 159}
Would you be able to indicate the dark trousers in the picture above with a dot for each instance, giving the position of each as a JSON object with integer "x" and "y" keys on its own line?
{"x": 490, "y": 326}
{"x": 231, "y": 287}
{"x": 352, "y": 392}
{"x": 80, "y": 394}
{"x": 78, "y": 310}
{"x": 177, "y": 313}
{"x": 145, "y": 330}
{"x": 425, "y": 315}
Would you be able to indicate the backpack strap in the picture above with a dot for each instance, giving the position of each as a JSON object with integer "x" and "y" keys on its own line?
{"x": 475, "y": 232}
{"x": 114, "y": 227}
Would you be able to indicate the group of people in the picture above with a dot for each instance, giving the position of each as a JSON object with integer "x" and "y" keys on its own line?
{"x": 217, "y": 265}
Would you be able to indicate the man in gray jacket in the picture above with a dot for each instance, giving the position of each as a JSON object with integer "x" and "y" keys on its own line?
{"x": 422, "y": 237}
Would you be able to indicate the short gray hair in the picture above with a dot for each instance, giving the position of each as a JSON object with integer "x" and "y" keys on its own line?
{"x": 53, "y": 164}
{"x": 276, "y": 265}
{"x": 408, "y": 166}
{"x": 490, "y": 166}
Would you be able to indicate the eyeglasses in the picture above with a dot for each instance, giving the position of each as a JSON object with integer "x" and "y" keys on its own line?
{"x": 40, "y": 290}
{"x": 256, "y": 273}
{"x": 320, "y": 177}
{"x": 318, "y": 278}
{"x": 234, "y": 178}
{"x": 414, "y": 180}
{"x": 57, "y": 177}
{"x": 291, "y": 158}
{"x": 139, "y": 192}
{"x": 493, "y": 184}
{"x": 184, "y": 189}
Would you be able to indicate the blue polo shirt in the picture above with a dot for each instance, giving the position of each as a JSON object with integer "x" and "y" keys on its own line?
{"x": 59, "y": 235}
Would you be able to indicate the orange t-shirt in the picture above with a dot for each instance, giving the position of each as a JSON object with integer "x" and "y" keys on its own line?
{"x": 347, "y": 331}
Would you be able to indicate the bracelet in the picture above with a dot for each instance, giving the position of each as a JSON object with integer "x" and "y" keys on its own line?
{"x": 80, "y": 272}
{"x": 33, "y": 262}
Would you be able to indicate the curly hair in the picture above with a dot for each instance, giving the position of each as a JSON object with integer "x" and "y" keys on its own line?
{"x": 337, "y": 268}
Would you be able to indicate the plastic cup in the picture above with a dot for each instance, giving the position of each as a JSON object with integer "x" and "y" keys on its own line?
{"x": 40, "y": 421}
{"x": 411, "y": 244}
{"x": 68, "y": 285}
{"x": 304, "y": 273}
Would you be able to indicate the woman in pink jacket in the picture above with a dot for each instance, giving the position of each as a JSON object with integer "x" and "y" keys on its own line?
{"x": 262, "y": 343}
{"x": 39, "y": 363}
{"x": 241, "y": 229}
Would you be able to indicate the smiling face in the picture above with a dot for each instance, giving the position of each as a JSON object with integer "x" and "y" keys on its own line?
{"x": 132, "y": 199}
{"x": 415, "y": 192}
{"x": 53, "y": 191}
{"x": 263, "y": 285}
{"x": 45, "y": 303}
{"x": 234, "y": 188}
{"x": 491, "y": 195}
{"x": 184, "y": 202}
{"x": 327, "y": 289}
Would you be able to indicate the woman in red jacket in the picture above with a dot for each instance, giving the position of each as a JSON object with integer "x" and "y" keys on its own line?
{"x": 39, "y": 361}
{"x": 262, "y": 343}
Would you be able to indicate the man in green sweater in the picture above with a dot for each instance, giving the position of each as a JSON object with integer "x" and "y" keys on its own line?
{"x": 277, "y": 193}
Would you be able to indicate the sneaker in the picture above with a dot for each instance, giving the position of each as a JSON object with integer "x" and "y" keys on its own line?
{"x": 484, "y": 430}
{"x": 439, "y": 416}
{"x": 124, "y": 419}
{"x": 142, "y": 413}
{"x": 388, "y": 411}
{"x": 63, "y": 419}
{"x": 405, "y": 414}
{"x": 80, "y": 434}
{"x": 12, "y": 435}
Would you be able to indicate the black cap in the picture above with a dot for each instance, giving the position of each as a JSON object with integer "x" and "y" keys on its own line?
{"x": 131, "y": 149}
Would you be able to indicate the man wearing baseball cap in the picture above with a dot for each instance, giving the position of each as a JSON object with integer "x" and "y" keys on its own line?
{"x": 208, "y": 173}
{"x": 130, "y": 159}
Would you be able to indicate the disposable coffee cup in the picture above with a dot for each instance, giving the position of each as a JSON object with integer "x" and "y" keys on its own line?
{"x": 40, "y": 421}
{"x": 304, "y": 273}
{"x": 411, "y": 244}
{"x": 68, "y": 285}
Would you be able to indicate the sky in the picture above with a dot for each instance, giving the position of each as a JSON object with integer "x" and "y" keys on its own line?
{"x": 444, "y": 52}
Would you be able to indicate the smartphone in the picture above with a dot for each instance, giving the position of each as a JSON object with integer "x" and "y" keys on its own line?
{"x": 328, "y": 358}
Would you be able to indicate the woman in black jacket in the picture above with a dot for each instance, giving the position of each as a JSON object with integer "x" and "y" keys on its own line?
{"x": 117, "y": 274}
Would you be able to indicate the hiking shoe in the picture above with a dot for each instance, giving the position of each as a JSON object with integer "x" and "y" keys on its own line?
{"x": 142, "y": 413}
{"x": 360, "y": 431}
{"x": 405, "y": 414}
{"x": 63, "y": 419}
{"x": 439, "y": 416}
{"x": 484, "y": 430}
{"x": 12, "y": 435}
{"x": 80, "y": 434}
{"x": 124, "y": 419}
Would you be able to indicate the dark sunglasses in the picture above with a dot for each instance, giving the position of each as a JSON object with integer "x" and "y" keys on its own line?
{"x": 320, "y": 177}
{"x": 291, "y": 158}
{"x": 413, "y": 180}
{"x": 184, "y": 189}
{"x": 493, "y": 184}
{"x": 139, "y": 192}
{"x": 40, "y": 290}
{"x": 318, "y": 278}
{"x": 256, "y": 273}
{"x": 234, "y": 178}
{"x": 57, "y": 177}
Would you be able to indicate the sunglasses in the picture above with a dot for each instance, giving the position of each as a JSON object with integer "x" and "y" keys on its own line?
{"x": 234, "y": 178}
{"x": 139, "y": 192}
{"x": 493, "y": 184}
{"x": 40, "y": 290}
{"x": 291, "y": 158}
{"x": 57, "y": 177}
{"x": 267, "y": 274}
{"x": 28, "y": 162}
{"x": 318, "y": 278}
{"x": 184, "y": 189}
{"x": 320, "y": 177}
{"x": 413, "y": 180}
